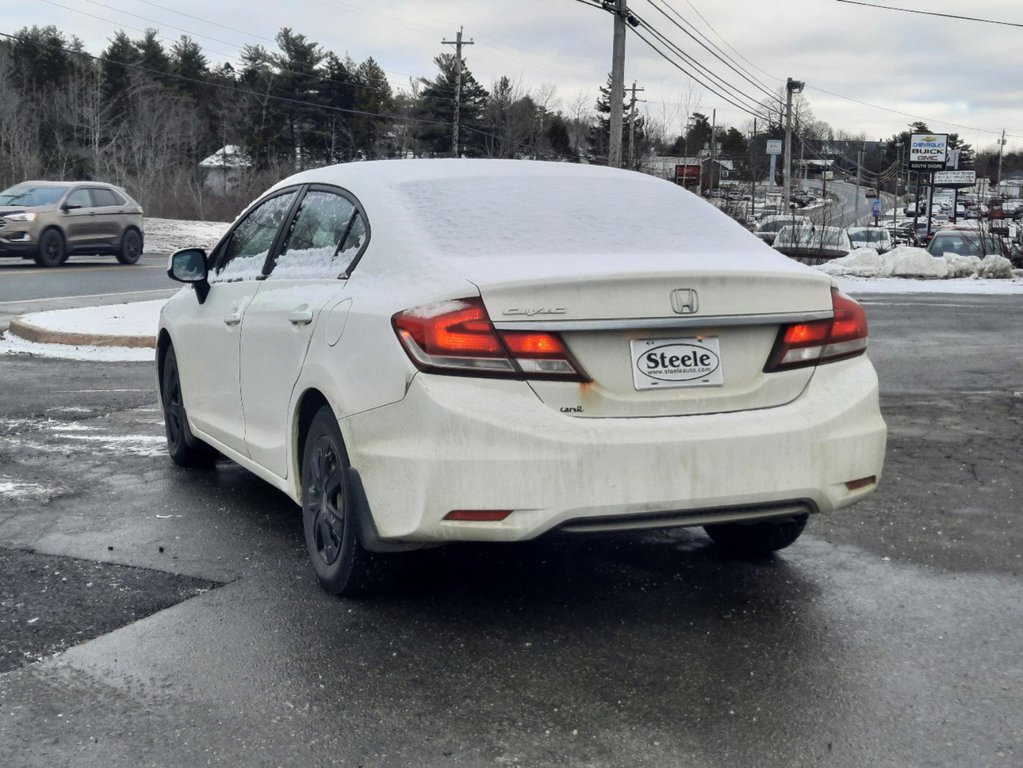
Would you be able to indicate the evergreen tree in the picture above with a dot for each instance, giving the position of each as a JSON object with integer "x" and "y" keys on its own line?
{"x": 374, "y": 98}
{"x": 438, "y": 110}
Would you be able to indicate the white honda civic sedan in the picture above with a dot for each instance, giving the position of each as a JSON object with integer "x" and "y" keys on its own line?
{"x": 428, "y": 351}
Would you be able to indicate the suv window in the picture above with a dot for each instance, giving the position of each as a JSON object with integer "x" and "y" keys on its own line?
{"x": 326, "y": 235}
{"x": 242, "y": 255}
{"x": 102, "y": 198}
{"x": 79, "y": 198}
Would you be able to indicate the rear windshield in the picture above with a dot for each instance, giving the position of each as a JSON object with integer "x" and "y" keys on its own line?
{"x": 511, "y": 215}
{"x": 868, "y": 236}
{"x": 30, "y": 196}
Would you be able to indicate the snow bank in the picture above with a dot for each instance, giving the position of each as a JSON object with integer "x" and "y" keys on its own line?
{"x": 906, "y": 261}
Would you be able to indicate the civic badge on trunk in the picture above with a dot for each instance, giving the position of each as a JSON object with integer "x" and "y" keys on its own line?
{"x": 684, "y": 301}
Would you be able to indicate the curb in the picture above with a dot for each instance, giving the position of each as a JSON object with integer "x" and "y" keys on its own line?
{"x": 34, "y": 333}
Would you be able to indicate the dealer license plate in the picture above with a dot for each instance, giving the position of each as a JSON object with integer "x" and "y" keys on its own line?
{"x": 673, "y": 363}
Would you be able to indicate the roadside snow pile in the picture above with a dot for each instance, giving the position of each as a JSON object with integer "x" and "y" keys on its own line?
{"x": 906, "y": 261}
{"x": 169, "y": 235}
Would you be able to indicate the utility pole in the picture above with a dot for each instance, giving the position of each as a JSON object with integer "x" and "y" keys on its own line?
{"x": 614, "y": 145}
{"x": 791, "y": 86}
{"x": 458, "y": 43}
{"x": 859, "y": 176}
{"x": 752, "y": 175}
{"x": 1001, "y": 146}
{"x": 713, "y": 131}
{"x": 632, "y": 125}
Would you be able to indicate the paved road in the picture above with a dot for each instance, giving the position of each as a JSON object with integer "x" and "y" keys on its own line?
{"x": 82, "y": 281}
{"x": 888, "y": 636}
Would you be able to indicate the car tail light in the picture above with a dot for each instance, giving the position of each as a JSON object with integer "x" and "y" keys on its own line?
{"x": 458, "y": 337}
{"x": 842, "y": 336}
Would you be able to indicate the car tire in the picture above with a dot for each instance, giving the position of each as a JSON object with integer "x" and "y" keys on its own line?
{"x": 131, "y": 247}
{"x": 750, "y": 539}
{"x": 184, "y": 448}
{"x": 52, "y": 250}
{"x": 343, "y": 566}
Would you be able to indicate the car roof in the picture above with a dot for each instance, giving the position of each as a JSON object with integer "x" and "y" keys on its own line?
{"x": 446, "y": 209}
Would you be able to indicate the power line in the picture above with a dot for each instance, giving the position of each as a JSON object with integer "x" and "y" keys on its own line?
{"x": 715, "y": 54}
{"x": 932, "y": 13}
{"x": 741, "y": 107}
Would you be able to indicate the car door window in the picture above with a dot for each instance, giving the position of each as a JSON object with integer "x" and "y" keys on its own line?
{"x": 103, "y": 198}
{"x": 327, "y": 233}
{"x": 243, "y": 255}
{"x": 79, "y": 199}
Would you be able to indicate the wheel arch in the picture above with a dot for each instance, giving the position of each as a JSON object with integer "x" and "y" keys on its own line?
{"x": 306, "y": 408}
{"x": 163, "y": 343}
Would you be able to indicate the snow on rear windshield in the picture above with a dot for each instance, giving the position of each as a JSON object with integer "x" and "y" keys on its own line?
{"x": 606, "y": 214}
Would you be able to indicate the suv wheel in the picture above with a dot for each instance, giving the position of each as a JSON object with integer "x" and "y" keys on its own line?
{"x": 51, "y": 251}
{"x": 131, "y": 247}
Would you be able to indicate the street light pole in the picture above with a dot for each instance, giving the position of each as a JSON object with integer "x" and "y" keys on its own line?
{"x": 791, "y": 86}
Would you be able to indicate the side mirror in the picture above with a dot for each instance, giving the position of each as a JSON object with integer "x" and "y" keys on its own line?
{"x": 189, "y": 266}
{"x": 70, "y": 207}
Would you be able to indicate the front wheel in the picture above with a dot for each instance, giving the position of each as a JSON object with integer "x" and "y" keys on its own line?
{"x": 131, "y": 247}
{"x": 342, "y": 565}
{"x": 746, "y": 539}
{"x": 185, "y": 449}
{"x": 51, "y": 249}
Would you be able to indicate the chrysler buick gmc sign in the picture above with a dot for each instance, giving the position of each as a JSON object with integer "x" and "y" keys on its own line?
{"x": 927, "y": 151}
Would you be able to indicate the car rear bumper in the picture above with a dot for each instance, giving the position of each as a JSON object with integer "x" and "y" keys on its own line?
{"x": 472, "y": 444}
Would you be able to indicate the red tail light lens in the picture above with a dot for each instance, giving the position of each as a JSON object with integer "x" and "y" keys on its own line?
{"x": 458, "y": 337}
{"x": 822, "y": 341}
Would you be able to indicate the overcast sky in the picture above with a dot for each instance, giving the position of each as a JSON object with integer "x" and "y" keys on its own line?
{"x": 866, "y": 70}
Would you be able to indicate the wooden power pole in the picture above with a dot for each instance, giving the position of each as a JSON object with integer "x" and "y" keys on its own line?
{"x": 458, "y": 43}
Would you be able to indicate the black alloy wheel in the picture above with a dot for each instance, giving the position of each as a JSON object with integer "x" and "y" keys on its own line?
{"x": 185, "y": 449}
{"x": 342, "y": 565}
{"x": 131, "y": 247}
{"x": 51, "y": 249}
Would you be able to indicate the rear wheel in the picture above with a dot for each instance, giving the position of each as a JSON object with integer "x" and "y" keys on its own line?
{"x": 756, "y": 538}
{"x": 184, "y": 448}
{"x": 131, "y": 247}
{"x": 342, "y": 565}
{"x": 51, "y": 251}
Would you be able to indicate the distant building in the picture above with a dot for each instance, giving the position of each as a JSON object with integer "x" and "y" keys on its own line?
{"x": 222, "y": 171}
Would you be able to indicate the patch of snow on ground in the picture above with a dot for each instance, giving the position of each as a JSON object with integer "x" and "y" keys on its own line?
{"x": 908, "y": 262}
{"x": 169, "y": 235}
{"x": 138, "y": 318}
{"x": 13, "y": 345}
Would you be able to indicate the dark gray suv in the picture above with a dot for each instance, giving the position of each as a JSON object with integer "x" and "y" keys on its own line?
{"x": 50, "y": 220}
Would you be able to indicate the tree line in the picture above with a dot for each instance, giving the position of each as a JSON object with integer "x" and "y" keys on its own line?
{"x": 143, "y": 116}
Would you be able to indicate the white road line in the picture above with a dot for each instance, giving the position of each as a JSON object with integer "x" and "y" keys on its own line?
{"x": 88, "y": 296}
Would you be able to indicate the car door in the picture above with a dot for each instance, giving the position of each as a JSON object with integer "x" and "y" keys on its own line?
{"x": 108, "y": 211}
{"x": 307, "y": 277}
{"x": 79, "y": 219}
{"x": 207, "y": 341}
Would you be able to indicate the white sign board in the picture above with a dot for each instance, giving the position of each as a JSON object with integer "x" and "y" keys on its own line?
{"x": 927, "y": 151}
{"x": 955, "y": 178}
{"x": 774, "y": 146}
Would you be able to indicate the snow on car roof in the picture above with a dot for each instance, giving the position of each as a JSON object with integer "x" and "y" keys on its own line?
{"x": 465, "y": 208}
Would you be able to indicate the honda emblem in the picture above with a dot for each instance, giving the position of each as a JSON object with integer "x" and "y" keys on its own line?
{"x": 684, "y": 301}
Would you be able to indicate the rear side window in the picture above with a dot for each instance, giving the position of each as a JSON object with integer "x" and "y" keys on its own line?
{"x": 102, "y": 198}
{"x": 243, "y": 254}
{"x": 326, "y": 235}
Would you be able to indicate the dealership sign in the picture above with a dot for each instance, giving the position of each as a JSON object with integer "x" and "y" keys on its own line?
{"x": 927, "y": 151}
{"x": 774, "y": 146}
{"x": 955, "y": 179}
